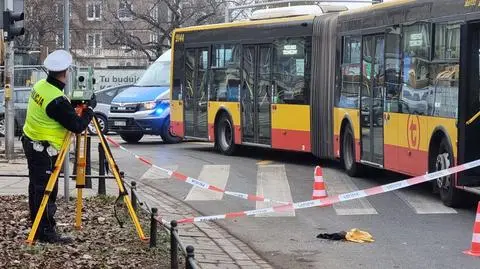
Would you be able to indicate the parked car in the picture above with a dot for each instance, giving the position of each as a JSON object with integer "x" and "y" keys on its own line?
{"x": 144, "y": 108}
{"x": 104, "y": 99}
{"x": 20, "y": 100}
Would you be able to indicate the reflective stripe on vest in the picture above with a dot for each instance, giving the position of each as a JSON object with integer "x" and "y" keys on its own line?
{"x": 38, "y": 125}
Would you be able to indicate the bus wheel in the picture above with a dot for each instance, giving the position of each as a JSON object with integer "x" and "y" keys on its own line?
{"x": 449, "y": 194}
{"x": 348, "y": 153}
{"x": 225, "y": 139}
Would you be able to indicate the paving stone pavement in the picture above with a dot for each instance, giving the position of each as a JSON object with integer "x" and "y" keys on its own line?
{"x": 214, "y": 247}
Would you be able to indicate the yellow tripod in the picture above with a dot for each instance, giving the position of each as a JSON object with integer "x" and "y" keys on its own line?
{"x": 81, "y": 148}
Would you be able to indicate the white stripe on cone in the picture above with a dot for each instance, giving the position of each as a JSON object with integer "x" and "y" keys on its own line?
{"x": 476, "y": 238}
{"x": 319, "y": 193}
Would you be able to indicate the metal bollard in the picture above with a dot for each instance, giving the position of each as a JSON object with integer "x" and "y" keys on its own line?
{"x": 101, "y": 170}
{"x": 153, "y": 227}
{"x": 134, "y": 195}
{"x": 190, "y": 257}
{"x": 88, "y": 168}
{"x": 173, "y": 245}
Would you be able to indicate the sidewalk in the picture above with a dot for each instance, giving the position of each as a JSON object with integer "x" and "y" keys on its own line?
{"x": 214, "y": 247}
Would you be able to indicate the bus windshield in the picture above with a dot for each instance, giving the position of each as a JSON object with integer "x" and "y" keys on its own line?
{"x": 158, "y": 74}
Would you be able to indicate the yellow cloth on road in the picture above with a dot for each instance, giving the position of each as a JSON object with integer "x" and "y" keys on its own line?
{"x": 356, "y": 235}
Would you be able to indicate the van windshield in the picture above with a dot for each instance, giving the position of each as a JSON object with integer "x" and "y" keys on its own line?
{"x": 158, "y": 74}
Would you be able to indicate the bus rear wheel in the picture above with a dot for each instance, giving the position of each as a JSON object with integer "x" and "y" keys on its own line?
{"x": 348, "y": 153}
{"x": 449, "y": 194}
{"x": 225, "y": 135}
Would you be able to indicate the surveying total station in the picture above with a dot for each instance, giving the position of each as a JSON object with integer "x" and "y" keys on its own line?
{"x": 80, "y": 99}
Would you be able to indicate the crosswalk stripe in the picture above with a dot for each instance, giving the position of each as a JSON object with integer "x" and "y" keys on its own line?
{"x": 216, "y": 175}
{"x": 153, "y": 174}
{"x": 272, "y": 182}
{"x": 342, "y": 184}
{"x": 422, "y": 203}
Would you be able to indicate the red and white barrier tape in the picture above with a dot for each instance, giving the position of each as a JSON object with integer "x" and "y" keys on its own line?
{"x": 340, "y": 198}
{"x": 194, "y": 181}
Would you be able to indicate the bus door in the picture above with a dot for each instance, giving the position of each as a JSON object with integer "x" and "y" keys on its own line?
{"x": 469, "y": 103}
{"x": 371, "y": 99}
{"x": 196, "y": 93}
{"x": 256, "y": 94}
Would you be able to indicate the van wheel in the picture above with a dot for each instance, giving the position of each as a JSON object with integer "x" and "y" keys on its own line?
{"x": 167, "y": 135}
{"x": 131, "y": 137}
{"x": 449, "y": 194}
{"x": 348, "y": 153}
{"x": 225, "y": 135}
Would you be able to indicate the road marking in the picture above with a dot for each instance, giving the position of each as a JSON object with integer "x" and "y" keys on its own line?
{"x": 343, "y": 184}
{"x": 272, "y": 182}
{"x": 423, "y": 203}
{"x": 216, "y": 175}
{"x": 153, "y": 174}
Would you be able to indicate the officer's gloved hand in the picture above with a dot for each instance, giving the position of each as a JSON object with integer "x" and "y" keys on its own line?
{"x": 93, "y": 101}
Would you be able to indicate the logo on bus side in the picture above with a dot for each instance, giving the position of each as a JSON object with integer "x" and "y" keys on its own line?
{"x": 413, "y": 131}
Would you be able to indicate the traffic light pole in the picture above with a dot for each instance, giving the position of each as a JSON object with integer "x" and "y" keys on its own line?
{"x": 9, "y": 93}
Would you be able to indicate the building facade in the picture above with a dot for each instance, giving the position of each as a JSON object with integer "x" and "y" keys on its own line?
{"x": 107, "y": 33}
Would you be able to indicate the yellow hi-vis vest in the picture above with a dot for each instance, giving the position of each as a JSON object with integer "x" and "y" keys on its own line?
{"x": 38, "y": 125}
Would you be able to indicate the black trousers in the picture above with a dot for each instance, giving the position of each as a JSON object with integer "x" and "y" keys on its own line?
{"x": 40, "y": 166}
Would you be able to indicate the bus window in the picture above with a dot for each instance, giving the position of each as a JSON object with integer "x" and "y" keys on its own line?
{"x": 225, "y": 73}
{"x": 443, "y": 101}
{"x": 292, "y": 71}
{"x": 350, "y": 89}
{"x": 392, "y": 70}
{"x": 416, "y": 65}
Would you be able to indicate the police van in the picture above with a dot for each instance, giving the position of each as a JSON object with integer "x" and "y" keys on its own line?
{"x": 144, "y": 108}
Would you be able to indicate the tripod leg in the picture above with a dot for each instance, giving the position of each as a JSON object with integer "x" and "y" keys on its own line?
{"x": 118, "y": 179}
{"x": 50, "y": 185}
{"x": 81, "y": 151}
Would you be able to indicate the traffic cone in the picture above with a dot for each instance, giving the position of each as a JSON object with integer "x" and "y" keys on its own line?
{"x": 319, "y": 190}
{"x": 475, "y": 249}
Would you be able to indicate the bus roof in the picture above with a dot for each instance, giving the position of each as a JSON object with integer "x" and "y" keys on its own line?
{"x": 242, "y": 23}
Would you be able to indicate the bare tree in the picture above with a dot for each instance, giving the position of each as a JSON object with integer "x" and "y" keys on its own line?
{"x": 42, "y": 21}
{"x": 161, "y": 17}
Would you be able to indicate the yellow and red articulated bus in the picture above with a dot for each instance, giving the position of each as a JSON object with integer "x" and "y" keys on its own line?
{"x": 393, "y": 86}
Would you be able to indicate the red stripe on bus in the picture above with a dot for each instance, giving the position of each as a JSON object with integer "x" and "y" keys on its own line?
{"x": 291, "y": 140}
{"x": 412, "y": 162}
{"x": 177, "y": 128}
{"x": 211, "y": 132}
{"x": 238, "y": 134}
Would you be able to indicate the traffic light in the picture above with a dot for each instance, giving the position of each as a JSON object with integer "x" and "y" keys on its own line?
{"x": 9, "y": 29}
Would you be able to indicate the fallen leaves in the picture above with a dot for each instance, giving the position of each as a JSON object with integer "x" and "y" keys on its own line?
{"x": 101, "y": 243}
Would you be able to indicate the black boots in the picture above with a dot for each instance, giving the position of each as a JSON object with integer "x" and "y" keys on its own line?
{"x": 49, "y": 235}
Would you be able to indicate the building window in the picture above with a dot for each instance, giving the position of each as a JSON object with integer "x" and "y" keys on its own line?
{"x": 94, "y": 11}
{"x": 94, "y": 40}
{"x": 350, "y": 87}
{"x": 154, "y": 13}
{"x": 125, "y": 10}
{"x": 59, "y": 40}
{"x": 153, "y": 37}
{"x": 59, "y": 11}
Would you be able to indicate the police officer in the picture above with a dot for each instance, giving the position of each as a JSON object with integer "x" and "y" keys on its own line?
{"x": 49, "y": 117}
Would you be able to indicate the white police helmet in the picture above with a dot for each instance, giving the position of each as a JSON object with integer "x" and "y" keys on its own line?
{"x": 58, "y": 60}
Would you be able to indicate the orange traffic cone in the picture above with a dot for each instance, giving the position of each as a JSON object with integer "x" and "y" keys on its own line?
{"x": 475, "y": 249}
{"x": 319, "y": 190}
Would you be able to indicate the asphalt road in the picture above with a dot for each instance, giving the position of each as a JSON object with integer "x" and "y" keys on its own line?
{"x": 412, "y": 229}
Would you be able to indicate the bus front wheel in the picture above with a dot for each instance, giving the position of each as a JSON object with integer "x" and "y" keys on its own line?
{"x": 225, "y": 135}
{"x": 449, "y": 194}
{"x": 348, "y": 153}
